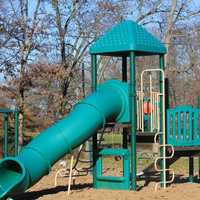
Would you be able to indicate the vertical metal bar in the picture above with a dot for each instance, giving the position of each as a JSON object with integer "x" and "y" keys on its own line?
{"x": 167, "y": 125}
{"x": 167, "y": 106}
{"x": 124, "y": 79}
{"x": 198, "y": 105}
{"x": 94, "y": 73}
{"x": 124, "y": 69}
{"x": 125, "y": 139}
{"x": 179, "y": 125}
{"x": 94, "y": 138}
{"x": 195, "y": 122}
{"x": 184, "y": 127}
{"x": 169, "y": 134}
{"x": 16, "y": 116}
{"x": 132, "y": 96}
{"x": 167, "y": 103}
{"x": 190, "y": 127}
{"x": 142, "y": 101}
{"x": 151, "y": 103}
{"x": 163, "y": 162}
{"x": 5, "y": 133}
{"x": 174, "y": 126}
{"x": 191, "y": 169}
{"x": 191, "y": 140}
{"x": 158, "y": 113}
{"x": 138, "y": 112}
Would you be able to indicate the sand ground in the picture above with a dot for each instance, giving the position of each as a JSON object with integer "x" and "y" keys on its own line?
{"x": 45, "y": 190}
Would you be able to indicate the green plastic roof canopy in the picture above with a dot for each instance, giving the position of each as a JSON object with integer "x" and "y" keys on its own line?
{"x": 127, "y": 36}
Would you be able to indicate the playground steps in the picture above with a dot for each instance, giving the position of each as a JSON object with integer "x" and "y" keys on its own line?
{"x": 145, "y": 137}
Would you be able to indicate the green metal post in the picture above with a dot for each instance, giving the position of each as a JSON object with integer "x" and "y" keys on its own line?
{"x": 132, "y": 95}
{"x": 16, "y": 116}
{"x": 198, "y": 101}
{"x": 191, "y": 169}
{"x": 94, "y": 137}
{"x": 167, "y": 106}
{"x": 124, "y": 69}
{"x": 5, "y": 133}
{"x": 125, "y": 139}
{"x": 162, "y": 66}
{"x": 199, "y": 108}
{"x": 124, "y": 79}
{"x": 94, "y": 72}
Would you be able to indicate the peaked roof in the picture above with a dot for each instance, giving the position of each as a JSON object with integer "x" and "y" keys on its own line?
{"x": 127, "y": 36}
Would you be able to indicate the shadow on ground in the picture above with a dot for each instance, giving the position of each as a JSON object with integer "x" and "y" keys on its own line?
{"x": 37, "y": 194}
{"x": 179, "y": 179}
{"x": 155, "y": 177}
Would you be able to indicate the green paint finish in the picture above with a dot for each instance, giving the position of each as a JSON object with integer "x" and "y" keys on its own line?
{"x": 93, "y": 144}
{"x": 104, "y": 105}
{"x": 133, "y": 118}
{"x": 12, "y": 174}
{"x": 127, "y": 36}
{"x": 6, "y": 114}
{"x": 183, "y": 124}
{"x": 198, "y": 106}
{"x": 5, "y": 133}
{"x": 113, "y": 182}
{"x": 198, "y": 102}
{"x": 191, "y": 169}
{"x": 6, "y": 110}
{"x": 94, "y": 72}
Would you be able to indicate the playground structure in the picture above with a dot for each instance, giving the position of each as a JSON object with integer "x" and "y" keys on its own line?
{"x": 142, "y": 110}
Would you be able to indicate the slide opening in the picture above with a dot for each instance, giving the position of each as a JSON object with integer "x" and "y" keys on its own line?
{"x": 11, "y": 174}
{"x": 12, "y": 165}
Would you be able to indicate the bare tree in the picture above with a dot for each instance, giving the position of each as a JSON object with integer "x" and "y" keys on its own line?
{"x": 73, "y": 44}
{"x": 21, "y": 41}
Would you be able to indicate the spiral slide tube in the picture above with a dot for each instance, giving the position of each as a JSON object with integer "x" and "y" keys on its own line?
{"x": 108, "y": 103}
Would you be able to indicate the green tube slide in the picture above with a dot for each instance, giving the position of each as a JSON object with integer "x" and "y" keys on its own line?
{"x": 108, "y": 103}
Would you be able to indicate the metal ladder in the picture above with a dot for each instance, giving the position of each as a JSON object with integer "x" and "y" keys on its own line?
{"x": 164, "y": 158}
{"x": 155, "y": 99}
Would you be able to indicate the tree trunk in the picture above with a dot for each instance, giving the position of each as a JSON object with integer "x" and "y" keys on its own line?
{"x": 21, "y": 137}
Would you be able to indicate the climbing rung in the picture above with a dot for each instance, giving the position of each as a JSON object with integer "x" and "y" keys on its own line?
{"x": 164, "y": 170}
{"x": 167, "y": 181}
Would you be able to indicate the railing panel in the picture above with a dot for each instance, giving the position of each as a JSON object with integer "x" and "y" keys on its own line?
{"x": 183, "y": 126}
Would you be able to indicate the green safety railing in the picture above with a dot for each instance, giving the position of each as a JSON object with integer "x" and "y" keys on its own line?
{"x": 183, "y": 126}
{"x": 5, "y": 113}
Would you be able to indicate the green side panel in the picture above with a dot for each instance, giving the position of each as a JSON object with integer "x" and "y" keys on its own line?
{"x": 183, "y": 126}
{"x": 5, "y": 133}
{"x": 113, "y": 182}
{"x": 127, "y": 36}
{"x": 35, "y": 160}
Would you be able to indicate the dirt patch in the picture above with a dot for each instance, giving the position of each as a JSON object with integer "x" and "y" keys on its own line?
{"x": 45, "y": 190}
